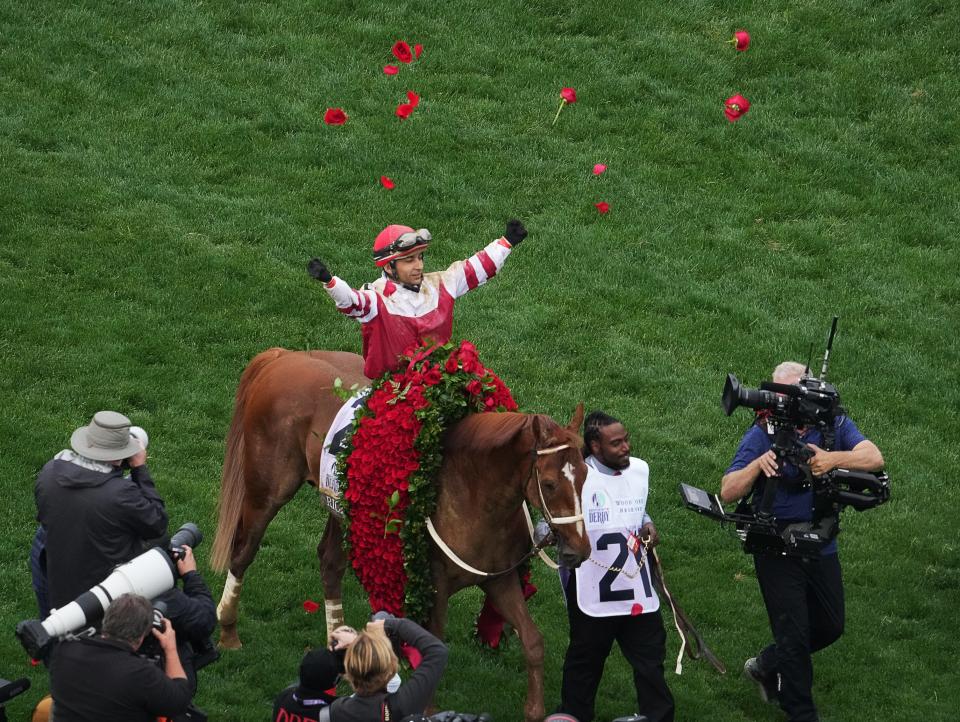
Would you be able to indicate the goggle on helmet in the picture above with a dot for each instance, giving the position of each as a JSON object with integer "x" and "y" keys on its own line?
{"x": 396, "y": 241}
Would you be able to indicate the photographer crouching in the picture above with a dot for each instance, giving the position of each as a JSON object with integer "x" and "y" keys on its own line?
{"x": 103, "y": 677}
{"x": 803, "y": 593}
{"x": 193, "y": 615}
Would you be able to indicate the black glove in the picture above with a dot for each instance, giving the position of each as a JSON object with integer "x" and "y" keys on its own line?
{"x": 515, "y": 232}
{"x": 318, "y": 271}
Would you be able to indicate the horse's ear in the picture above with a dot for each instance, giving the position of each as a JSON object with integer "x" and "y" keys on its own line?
{"x": 576, "y": 421}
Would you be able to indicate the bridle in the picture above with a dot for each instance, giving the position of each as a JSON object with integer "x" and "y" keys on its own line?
{"x": 537, "y": 546}
{"x": 551, "y": 520}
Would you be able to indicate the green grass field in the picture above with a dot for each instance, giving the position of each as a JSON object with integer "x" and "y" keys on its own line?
{"x": 166, "y": 174}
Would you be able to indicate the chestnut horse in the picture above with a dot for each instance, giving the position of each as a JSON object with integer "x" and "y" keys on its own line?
{"x": 492, "y": 464}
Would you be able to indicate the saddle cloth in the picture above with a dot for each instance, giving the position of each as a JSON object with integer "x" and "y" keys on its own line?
{"x": 333, "y": 444}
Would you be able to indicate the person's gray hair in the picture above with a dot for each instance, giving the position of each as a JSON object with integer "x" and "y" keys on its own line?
{"x": 128, "y": 618}
{"x": 788, "y": 370}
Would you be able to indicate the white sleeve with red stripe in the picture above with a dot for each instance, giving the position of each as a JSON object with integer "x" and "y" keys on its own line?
{"x": 466, "y": 275}
{"x": 361, "y": 305}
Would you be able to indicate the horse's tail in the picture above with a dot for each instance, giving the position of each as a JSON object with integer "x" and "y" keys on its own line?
{"x": 232, "y": 490}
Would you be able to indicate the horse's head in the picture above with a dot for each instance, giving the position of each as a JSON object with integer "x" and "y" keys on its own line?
{"x": 556, "y": 481}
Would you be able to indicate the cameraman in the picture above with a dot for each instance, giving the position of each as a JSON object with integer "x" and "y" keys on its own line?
{"x": 103, "y": 678}
{"x": 95, "y": 517}
{"x": 192, "y": 613}
{"x": 803, "y": 597}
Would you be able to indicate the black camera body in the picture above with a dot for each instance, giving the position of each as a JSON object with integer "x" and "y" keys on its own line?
{"x": 787, "y": 410}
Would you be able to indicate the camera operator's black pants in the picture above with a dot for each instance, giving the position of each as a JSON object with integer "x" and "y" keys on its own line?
{"x": 642, "y": 640}
{"x": 804, "y": 600}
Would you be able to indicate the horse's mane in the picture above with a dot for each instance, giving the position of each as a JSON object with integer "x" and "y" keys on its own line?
{"x": 482, "y": 432}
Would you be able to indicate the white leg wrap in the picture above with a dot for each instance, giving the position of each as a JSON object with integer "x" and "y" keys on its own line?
{"x": 229, "y": 600}
{"x": 333, "y": 610}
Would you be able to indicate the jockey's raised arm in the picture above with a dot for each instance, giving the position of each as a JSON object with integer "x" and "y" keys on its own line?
{"x": 405, "y": 307}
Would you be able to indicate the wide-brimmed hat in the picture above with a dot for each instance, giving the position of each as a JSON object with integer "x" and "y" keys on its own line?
{"x": 106, "y": 438}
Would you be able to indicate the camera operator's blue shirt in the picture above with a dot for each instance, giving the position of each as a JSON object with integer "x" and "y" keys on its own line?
{"x": 791, "y": 506}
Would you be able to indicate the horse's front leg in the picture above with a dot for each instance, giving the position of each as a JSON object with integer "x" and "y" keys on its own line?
{"x": 333, "y": 563}
{"x": 507, "y": 596}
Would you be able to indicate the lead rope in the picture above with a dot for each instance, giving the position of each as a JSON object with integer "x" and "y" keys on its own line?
{"x": 673, "y": 608}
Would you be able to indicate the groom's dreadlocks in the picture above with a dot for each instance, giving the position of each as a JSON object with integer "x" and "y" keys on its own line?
{"x": 591, "y": 428}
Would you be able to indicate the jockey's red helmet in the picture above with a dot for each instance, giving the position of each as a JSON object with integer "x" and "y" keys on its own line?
{"x": 395, "y": 242}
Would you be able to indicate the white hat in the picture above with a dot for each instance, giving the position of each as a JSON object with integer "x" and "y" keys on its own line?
{"x": 106, "y": 438}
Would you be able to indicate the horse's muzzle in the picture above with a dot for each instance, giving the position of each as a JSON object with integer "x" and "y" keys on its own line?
{"x": 567, "y": 557}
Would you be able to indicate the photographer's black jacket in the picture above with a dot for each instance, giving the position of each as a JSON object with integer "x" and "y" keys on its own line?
{"x": 192, "y": 610}
{"x": 104, "y": 680}
{"x": 94, "y": 520}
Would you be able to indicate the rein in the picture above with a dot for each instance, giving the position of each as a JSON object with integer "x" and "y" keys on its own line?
{"x": 537, "y": 547}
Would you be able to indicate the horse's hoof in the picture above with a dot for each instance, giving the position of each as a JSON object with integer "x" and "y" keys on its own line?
{"x": 229, "y": 639}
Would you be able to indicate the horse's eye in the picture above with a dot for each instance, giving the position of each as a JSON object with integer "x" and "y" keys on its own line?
{"x": 549, "y": 485}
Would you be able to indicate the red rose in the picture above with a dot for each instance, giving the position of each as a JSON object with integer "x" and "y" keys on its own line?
{"x": 603, "y": 207}
{"x": 390, "y": 70}
{"x": 387, "y": 183}
{"x": 413, "y": 98}
{"x": 404, "y": 110}
{"x": 473, "y": 366}
{"x": 741, "y": 40}
{"x": 735, "y": 107}
{"x": 401, "y": 51}
{"x": 433, "y": 376}
{"x": 490, "y": 403}
{"x": 474, "y": 388}
{"x": 599, "y": 168}
{"x": 310, "y": 606}
{"x": 335, "y": 116}
{"x": 452, "y": 365}
{"x": 569, "y": 95}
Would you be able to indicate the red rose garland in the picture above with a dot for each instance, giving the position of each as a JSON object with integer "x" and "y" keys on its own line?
{"x": 391, "y": 463}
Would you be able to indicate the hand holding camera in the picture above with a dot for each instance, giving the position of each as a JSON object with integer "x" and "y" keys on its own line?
{"x": 186, "y": 562}
{"x": 341, "y": 638}
{"x": 165, "y": 635}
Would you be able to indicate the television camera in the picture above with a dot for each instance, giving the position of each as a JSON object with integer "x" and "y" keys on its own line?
{"x": 789, "y": 409}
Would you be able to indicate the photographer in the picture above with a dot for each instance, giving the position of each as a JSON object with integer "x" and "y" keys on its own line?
{"x": 370, "y": 664}
{"x": 192, "y": 613}
{"x": 93, "y": 515}
{"x": 103, "y": 678}
{"x": 803, "y": 596}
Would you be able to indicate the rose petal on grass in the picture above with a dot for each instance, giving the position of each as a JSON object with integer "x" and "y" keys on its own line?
{"x": 390, "y": 70}
{"x": 335, "y": 116}
{"x": 310, "y": 606}
{"x": 387, "y": 183}
{"x": 603, "y": 207}
{"x": 401, "y": 51}
{"x": 599, "y": 169}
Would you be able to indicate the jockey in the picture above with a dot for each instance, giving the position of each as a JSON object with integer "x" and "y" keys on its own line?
{"x": 406, "y": 307}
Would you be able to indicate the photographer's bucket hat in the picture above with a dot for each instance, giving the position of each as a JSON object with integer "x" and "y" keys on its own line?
{"x": 106, "y": 438}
